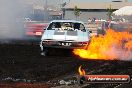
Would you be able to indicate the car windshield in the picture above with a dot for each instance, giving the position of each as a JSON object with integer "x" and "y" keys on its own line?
{"x": 66, "y": 26}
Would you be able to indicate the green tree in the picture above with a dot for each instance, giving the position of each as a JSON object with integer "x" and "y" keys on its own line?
{"x": 110, "y": 12}
{"x": 77, "y": 12}
{"x": 63, "y": 4}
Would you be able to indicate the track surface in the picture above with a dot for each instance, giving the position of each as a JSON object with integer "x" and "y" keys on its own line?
{"x": 25, "y": 62}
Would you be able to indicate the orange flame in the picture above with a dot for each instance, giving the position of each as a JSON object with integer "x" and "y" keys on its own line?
{"x": 111, "y": 46}
{"x": 81, "y": 71}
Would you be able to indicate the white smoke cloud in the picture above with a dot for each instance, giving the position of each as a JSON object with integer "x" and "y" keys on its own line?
{"x": 12, "y": 13}
{"x": 120, "y": 53}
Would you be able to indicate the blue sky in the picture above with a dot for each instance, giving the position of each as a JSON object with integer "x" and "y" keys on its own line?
{"x": 61, "y": 1}
{"x": 95, "y": 0}
{"x": 58, "y": 2}
{"x": 92, "y": 0}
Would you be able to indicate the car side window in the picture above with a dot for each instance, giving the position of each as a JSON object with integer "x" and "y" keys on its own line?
{"x": 54, "y": 26}
{"x": 50, "y": 26}
{"x": 79, "y": 26}
{"x": 82, "y": 28}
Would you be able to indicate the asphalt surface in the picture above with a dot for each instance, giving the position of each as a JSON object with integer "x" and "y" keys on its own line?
{"x": 23, "y": 63}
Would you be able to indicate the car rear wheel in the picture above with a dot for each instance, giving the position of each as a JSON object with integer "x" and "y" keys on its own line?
{"x": 45, "y": 52}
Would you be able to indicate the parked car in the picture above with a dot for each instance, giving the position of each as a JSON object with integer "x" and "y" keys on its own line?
{"x": 118, "y": 26}
{"x": 35, "y": 28}
{"x": 68, "y": 34}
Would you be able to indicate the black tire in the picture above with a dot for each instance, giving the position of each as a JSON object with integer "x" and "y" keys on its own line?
{"x": 45, "y": 52}
{"x": 82, "y": 80}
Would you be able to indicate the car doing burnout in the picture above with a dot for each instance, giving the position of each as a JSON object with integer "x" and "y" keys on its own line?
{"x": 67, "y": 34}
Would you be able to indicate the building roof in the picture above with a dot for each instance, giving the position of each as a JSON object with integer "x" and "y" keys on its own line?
{"x": 93, "y": 5}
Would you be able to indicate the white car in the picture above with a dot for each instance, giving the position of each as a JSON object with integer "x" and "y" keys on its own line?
{"x": 67, "y": 34}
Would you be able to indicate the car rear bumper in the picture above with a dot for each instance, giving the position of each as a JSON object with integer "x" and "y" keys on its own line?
{"x": 34, "y": 33}
{"x": 64, "y": 44}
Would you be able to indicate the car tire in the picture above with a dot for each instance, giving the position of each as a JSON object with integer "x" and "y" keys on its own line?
{"x": 45, "y": 52}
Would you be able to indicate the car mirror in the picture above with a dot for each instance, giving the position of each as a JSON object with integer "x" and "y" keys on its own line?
{"x": 84, "y": 30}
{"x": 90, "y": 31}
{"x": 44, "y": 29}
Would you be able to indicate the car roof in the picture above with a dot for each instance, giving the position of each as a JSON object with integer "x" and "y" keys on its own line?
{"x": 67, "y": 21}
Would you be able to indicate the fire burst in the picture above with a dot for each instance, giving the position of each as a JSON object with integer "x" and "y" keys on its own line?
{"x": 111, "y": 46}
{"x": 81, "y": 71}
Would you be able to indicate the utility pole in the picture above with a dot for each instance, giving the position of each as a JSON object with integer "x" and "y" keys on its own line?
{"x": 125, "y": 0}
{"x": 69, "y": 1}
{"x": 45, "y": 10}
{"x": 45, "y": 5}
{"x": 62, "y": 5}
